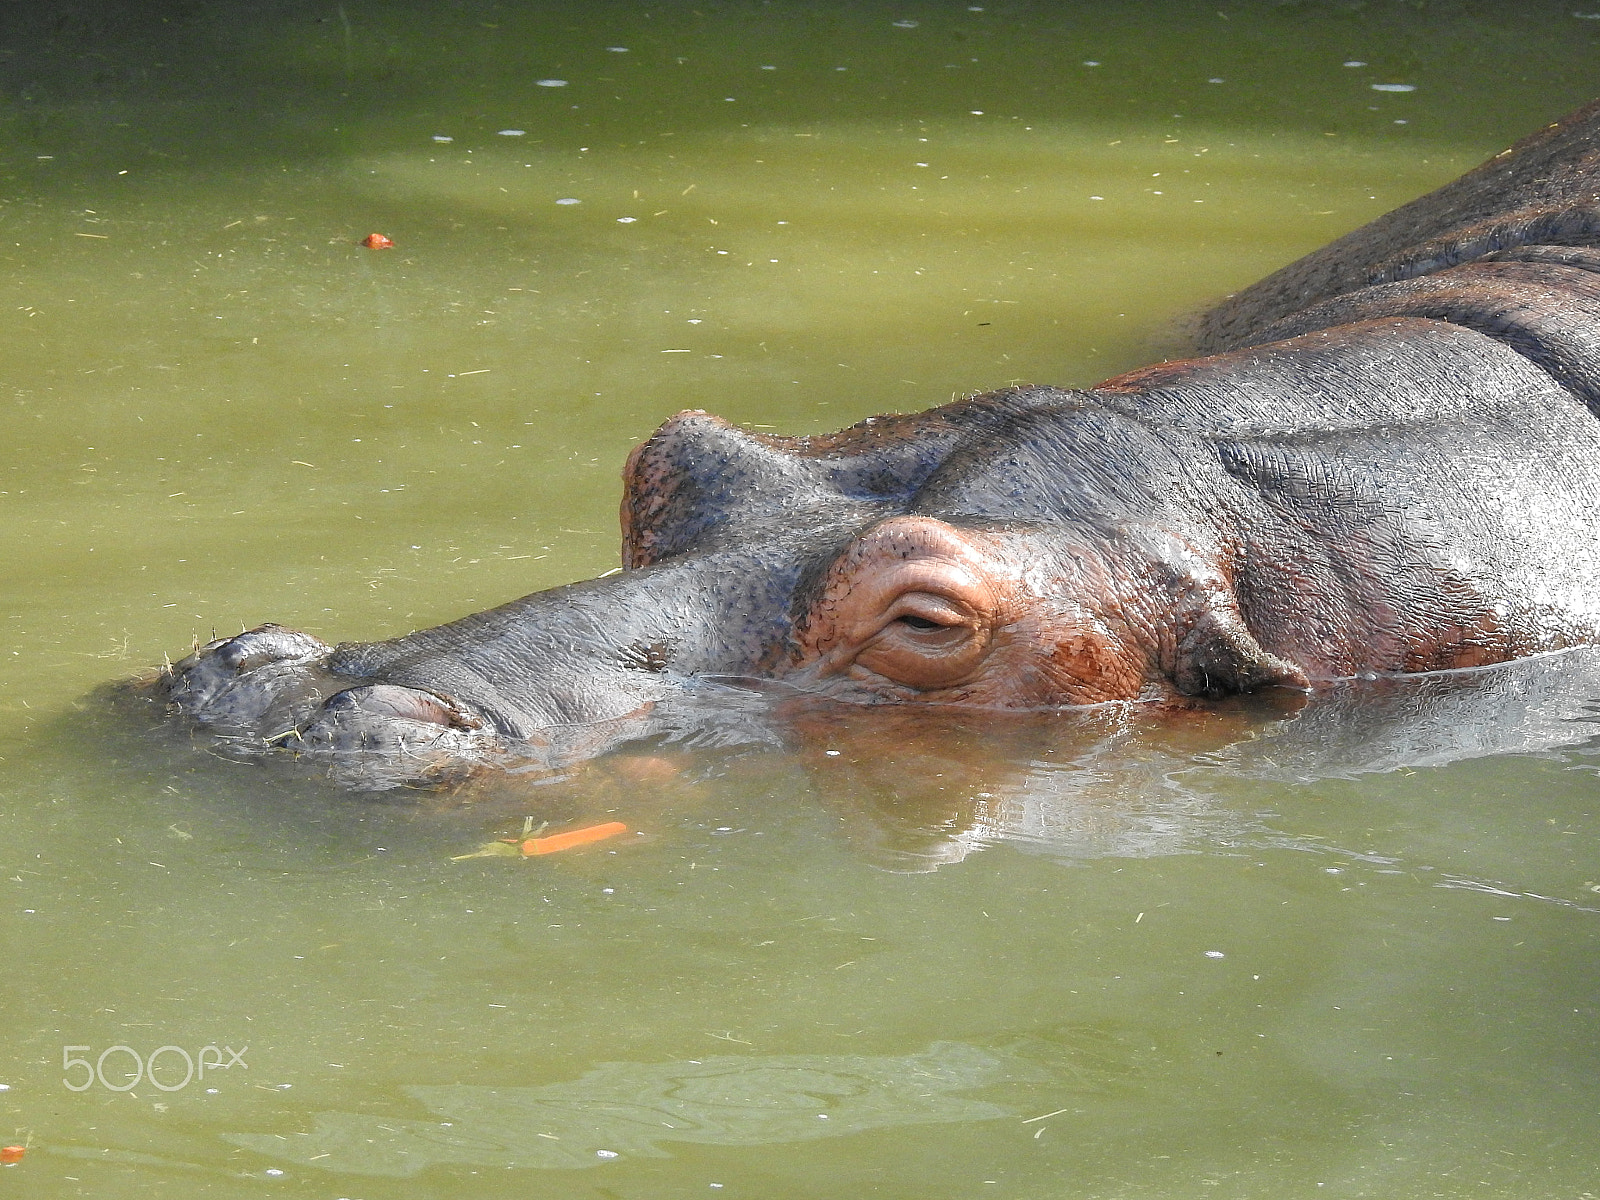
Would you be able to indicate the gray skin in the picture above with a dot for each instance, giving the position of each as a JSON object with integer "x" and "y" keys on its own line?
{"x": 1385, "y": 464}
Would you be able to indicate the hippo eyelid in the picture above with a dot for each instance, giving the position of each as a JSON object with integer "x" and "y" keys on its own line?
{"x": 929, "y": 612}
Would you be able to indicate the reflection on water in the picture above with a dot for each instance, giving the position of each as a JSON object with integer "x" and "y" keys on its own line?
{"x": 1127, "y": 782}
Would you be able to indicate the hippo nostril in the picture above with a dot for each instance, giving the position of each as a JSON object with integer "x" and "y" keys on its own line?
{"x": 387, "y": 700}
{"x": 433, "y": 735}
{"x": 266, "y": 644}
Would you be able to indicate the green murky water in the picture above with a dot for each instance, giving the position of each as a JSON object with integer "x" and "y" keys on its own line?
{"x": 1243, "y": 956}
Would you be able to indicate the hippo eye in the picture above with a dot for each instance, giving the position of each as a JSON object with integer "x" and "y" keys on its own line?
{"x": 912, "y": 605}
{"x": 928, "y": 641}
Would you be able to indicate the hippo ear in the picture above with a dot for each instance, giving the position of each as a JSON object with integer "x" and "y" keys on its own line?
{"x": 691, "y": 476}
{"x": 1220, "y": 656}
{"x": 698, "y": 473}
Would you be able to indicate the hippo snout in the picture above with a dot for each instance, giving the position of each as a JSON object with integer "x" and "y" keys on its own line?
{"x": 272, "y": 688}
{"x": 247, "y": 681}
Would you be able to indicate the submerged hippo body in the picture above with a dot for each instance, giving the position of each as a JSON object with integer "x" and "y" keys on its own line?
{"x": 1388, "y": 463}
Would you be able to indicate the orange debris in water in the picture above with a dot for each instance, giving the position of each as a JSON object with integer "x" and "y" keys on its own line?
{"x": 573, "y": 837}
{"x": 11, "y": 1154}
{"x": 376, "y": 241}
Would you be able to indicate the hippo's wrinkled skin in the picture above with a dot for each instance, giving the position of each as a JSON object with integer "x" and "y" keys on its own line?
{"x": 1388, "y": 463}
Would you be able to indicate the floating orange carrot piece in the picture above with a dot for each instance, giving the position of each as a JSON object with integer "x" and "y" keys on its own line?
{"x": 573, "y": 837}
{"x": 376, "y": 241}
{"x": 12, "y": 1154}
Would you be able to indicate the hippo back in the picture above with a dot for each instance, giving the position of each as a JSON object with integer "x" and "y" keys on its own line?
{"x": 1542, "y": 191}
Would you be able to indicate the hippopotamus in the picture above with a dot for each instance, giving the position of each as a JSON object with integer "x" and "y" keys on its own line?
{"x": 1384, "y": 459}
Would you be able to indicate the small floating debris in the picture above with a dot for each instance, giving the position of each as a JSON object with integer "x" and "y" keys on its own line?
{"x": 439, "y": 137}
{"x": 511, "y": 133}
{"x": 1355, "y": 62}
{"x": 907, "y": 24}
{"x": 530, "y": 843}
{"x": 377, "y": 241}
{"x": 12, "y": 1154}
{"x": 626, "y": 220}
{"x": 551, "y": 82}
{"x": 617, "y": 49}
{"x": 551, "y": 843}
{"x": 569, "y": 200}
{"x": 1393, "y": 87}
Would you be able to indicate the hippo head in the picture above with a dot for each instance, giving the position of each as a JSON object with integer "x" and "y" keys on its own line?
{"x": 1025, "y": 549}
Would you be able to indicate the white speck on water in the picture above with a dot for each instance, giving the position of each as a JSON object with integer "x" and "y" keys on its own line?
{"x": 977, "y": 112}
{"x": 606, "y": 1154}
{"x": 1091, "y": 62}
{"x": 1333, "y": 870}
{"x": 694, "y": 320}
{"x": 1355, "y": 62}
{"x": 1393, "y": 87}
{"x": 439, "y": 137}
{"x": 974, "y": 8}
{"x": 608, "y": 891}
{"x": 617, "y": 49}
{"x": 5, "y": 1087}
{"x": 273, "y": 1171}
{"x": 767, "y": 68}
{"x": 569, "y": 200}
{"x": 1401, "y": 121}
{"x": 1097, "y": 197}
{"x": 626, "y": 220}
{"x": 831, "y": 753}
{"x": 1215, "y": 79}
{"x": 551, "y": 82}
{"x": 1215, "y": 954}
{"x": 907, "y": 24}
{"x": 922, "y": 164}
{"x": 513, "y": 133}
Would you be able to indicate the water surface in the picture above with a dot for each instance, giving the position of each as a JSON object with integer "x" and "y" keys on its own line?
{"x": 1348, "y": 951}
